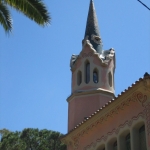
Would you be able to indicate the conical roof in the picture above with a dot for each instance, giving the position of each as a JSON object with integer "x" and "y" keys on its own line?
{"x": 92, "y": 30}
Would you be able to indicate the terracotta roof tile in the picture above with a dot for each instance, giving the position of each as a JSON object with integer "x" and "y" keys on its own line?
{"x": 112, "y": 100}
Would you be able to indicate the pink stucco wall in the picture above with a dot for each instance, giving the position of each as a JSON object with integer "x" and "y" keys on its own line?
{"x": 112, "y": 125}
{"x": 84, "y": 106}
{"x": 95, "y": 62}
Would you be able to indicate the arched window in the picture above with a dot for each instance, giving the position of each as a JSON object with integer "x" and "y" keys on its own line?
{"x": 113, "y": 77}
{"x": 87, "y": 72}
{"x": 110, "y": 79}
{"x": 79, "y": 77}
{"x": 128, "y": 142}
{"x": 142, "y": 138}
{"x": 95, "y": 76}
{"x": 101, "y": 147}
{"x": 115, "y": 146}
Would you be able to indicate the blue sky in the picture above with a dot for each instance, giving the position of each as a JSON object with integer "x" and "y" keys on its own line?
{"x": 35, "y": 77}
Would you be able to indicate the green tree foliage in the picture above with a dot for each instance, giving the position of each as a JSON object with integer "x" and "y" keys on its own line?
{"x": 33, "y": 9}
{"x": 4, "y": 131}
{"x": 11, "y": 141}
{"x": 31, "y": 139}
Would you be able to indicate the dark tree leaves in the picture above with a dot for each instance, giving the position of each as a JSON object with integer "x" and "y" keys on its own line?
{"x": 31, "y": 139}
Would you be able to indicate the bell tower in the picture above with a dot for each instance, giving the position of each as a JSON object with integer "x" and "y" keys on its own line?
{"x": 92, "y": 74}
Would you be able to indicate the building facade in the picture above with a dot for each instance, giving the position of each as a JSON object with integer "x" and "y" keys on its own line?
{"x": 97, "y": 120}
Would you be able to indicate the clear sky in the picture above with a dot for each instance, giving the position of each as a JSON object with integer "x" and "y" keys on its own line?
{"x": 35, "y": 77}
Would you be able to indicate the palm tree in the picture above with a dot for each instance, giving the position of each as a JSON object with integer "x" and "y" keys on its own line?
{"x": 33, "y": 9}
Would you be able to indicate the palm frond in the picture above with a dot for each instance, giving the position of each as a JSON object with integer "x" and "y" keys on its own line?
{"x": 5, "y": 18}
{"x": 33, "y": 9}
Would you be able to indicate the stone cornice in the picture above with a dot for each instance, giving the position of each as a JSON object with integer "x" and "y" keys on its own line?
{"x": 88, "y": 92}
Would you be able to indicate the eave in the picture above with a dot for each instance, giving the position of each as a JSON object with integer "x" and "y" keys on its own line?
{"x": 142, "y": 82}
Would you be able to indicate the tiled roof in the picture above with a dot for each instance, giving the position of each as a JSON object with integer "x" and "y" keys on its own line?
{"x": 146, "y": 75}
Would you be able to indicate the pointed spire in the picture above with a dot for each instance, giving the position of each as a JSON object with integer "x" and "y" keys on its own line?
{"x": 92, "y": 30}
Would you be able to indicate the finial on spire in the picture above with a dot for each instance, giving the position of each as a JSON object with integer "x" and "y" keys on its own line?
{"x": 92, "y": 30}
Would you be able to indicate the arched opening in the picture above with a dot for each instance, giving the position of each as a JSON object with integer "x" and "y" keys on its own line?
{"x": 124, "y": 140}
{"x": 87, "y": 72}
{"x": 113, "y": 78}
{"x": 142, "y": 138}
{"x": 101, "y": 147}
{"x": 139, "y": 136}
{"x": 110, "y": 79}
{"x": 112, "y": 144}
{"x": 115, "y": 145}
{"x": 79, "y": 77}
{"x": 95, "y": 76}
{"x": 128, "y": 142}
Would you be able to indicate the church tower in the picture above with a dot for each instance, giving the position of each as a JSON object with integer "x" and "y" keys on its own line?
{"x": 92, "y": 74}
